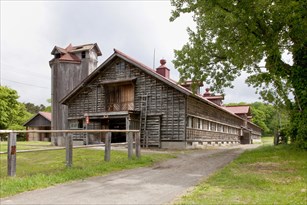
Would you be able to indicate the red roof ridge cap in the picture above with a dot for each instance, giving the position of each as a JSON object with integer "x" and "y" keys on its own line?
{"x": 132, "y": 59}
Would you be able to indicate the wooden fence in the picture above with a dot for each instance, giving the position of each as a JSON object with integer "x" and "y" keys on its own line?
{"x": 132, "y": 135}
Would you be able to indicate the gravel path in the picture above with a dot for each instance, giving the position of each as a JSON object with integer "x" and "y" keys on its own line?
{"x": 159, "y": 184}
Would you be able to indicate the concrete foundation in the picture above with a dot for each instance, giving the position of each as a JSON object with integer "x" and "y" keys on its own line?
{"x": 173, "y": 145}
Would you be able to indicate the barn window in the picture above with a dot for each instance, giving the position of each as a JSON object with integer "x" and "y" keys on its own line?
{"x": 120, "y": 97}
{"x": 195, "y": 122}
{"x": 76, "y": 124}
{"x": 120, "y": 67}
{"x": 213, "y": 126}
{"x": 190, "y": 122}
{"x": 58, "y": 55}
{"x": 200, "y": 124}
{"x": 80, "y": 123}
{"x": 83, "y": 54}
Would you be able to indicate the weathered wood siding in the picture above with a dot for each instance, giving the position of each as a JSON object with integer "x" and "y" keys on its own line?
{"x": 208, "y": 123}
{"x": 256, "y": 131}
{"x": 162, "y": 99}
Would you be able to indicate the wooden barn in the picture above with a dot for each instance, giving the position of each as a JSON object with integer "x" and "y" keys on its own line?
{"x": 122, "y": 93}
{"x": 40, "y": 121}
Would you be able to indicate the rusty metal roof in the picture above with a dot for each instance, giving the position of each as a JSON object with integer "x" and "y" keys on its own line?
{"x": 240, "y": 109}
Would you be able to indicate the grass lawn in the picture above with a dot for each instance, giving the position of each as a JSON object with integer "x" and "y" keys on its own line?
{"x": 267, "y": 175}
{"x": 42, "y": 169}
{"x": 23, "y": 145}
{"x": 267, "y": 140}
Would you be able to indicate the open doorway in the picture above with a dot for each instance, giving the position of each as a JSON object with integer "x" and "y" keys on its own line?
{"x": 118, "y": 124}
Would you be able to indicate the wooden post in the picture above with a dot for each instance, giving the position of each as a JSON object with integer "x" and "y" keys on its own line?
{"x": 11, "y": 155}
{"x": 137, "y": 145}
{"x": 130, "y": 144}
{"x": 107, "y": 147}
{"x": 68, "y": 143}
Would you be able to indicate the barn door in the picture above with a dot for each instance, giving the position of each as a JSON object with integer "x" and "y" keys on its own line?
{"x": 153, "y": 130}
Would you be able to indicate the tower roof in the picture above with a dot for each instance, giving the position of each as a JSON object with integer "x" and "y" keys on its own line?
{"x": 68, "y": 54}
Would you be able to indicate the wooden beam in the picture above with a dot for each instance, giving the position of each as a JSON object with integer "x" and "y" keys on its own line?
{"x": 107, "y": 148}
{"x": 137, "y": 145}
{"x": 65, "y": 131}
{"x": 130, "y": 144}
{"x": 68, "y": 145}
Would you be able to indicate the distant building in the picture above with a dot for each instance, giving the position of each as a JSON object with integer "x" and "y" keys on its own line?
{"x": 123, "y": 93}
{"x": 41, "y": 121}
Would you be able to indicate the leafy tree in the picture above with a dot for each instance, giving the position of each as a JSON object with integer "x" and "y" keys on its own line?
{"x": 33, "y": 109}
{"x": 266, "y": 116}
{"x": 48, "y": 108}
{"x": 12, "y": 113}
{"x": 234, "y": 36}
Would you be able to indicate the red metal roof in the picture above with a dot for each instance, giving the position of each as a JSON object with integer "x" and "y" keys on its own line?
{"x": 46, "y": 115}
{"x": 240, "y": 109}
{"x": 215, "y": 97}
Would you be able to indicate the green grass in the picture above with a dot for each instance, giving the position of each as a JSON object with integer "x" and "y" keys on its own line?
{"x": 267, "y": 175}
{"x": 22, "y": 145}
{"x": 267, "y": 140}
{"x": 42, "y": 169}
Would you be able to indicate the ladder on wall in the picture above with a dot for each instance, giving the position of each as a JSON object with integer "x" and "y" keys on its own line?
{"x": 143, "y": 120}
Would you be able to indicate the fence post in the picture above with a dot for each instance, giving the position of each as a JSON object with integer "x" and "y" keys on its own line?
{"x": 137, "y": 145}
{"x": 11, "y": 155}
{"x": 107, "y": 147}
{"x": 68, "y": 144}
{"x": 130, "y": 144}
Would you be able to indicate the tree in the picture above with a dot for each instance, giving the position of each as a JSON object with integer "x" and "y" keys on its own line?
{"x": 12, "y": 113}
{"x": 33, "y": 109}
{"x": 48, "y": 108}
{"x": 234, "y": 36}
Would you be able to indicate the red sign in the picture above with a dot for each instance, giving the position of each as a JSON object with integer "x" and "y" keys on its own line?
{"x": 87, "y": 120}
{"x": 13, "y": 150}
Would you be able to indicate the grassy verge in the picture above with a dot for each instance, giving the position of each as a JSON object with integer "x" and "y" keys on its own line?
{"x": 267, "y": 140}
{"x": 267, "y": 175}
{"x": 42, "y": 169}
{"x": 31, "y": 145}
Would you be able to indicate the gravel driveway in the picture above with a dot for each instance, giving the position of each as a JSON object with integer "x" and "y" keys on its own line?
{"x": 159, "y": 184}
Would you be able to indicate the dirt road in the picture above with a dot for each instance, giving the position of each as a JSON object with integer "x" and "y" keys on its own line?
{"x": 159, "y": 184}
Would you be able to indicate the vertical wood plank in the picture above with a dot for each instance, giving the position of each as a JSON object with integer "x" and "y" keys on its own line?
{"x": 107, "y": 147}
{"x": 11, "y": 155}
{"x": 69, "y": 145}
{"x": 137, "y": 145}
{"x": 130, "y": 144}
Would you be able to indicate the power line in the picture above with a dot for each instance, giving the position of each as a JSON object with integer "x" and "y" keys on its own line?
{"x": 25, "y": 84}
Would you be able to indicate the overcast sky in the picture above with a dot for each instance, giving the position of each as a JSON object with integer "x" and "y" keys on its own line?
{"x": 30, "y": 30}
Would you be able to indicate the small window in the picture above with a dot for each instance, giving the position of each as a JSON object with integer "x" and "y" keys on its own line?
{"x": 190, "y": 122}
{"x": 80, "y": 123}
{"x": 120, "y": 67}
{"x": 58, "y": 55}
{"x": 83, "y": 54}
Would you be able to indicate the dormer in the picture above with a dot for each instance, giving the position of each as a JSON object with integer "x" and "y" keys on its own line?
{"x": 194, "y": 88}
{"x": 216, "y": 99}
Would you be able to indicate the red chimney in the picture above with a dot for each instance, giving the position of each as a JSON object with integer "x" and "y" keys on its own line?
{"x": 162, "y": 69}
{"x": 207, "y": 93}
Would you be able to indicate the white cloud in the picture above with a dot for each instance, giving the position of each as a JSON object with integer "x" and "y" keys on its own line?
{"x": 30, "y": 30}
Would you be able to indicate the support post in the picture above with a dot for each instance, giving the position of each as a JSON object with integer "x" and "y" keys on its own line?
{"x": 137, "y": 145}
{"x": 130, "y": 144}
{"x": 107, "y": 147}
{"x": 11, "y": 155}
{"x": 69, "y": 146}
